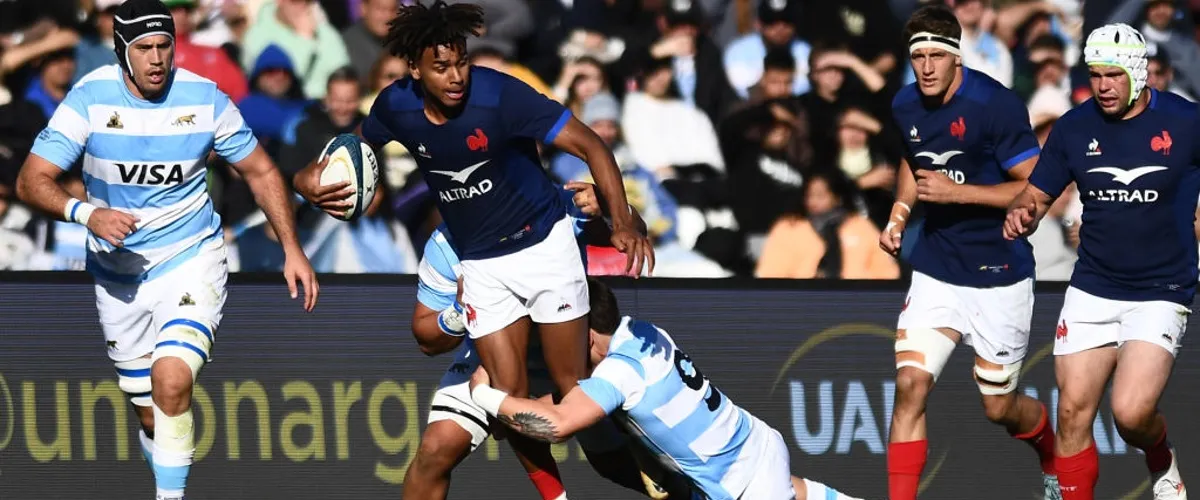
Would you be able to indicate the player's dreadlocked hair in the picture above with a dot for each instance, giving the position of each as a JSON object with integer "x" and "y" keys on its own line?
{"x": 417, "y": 27}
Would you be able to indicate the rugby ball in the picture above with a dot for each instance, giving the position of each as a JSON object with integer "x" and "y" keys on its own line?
{"x": 351, "y": 160}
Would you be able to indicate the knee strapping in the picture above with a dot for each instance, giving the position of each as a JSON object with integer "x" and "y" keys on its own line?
{"x": 925, "y": 349}
{"x": 187, "y": 340}
{"x": 133, "y": 377}
{"x": 998, "y": 381}
{"x": 174, "y": 435}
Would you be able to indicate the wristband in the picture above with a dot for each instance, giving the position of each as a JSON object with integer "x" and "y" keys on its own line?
{"x": 488, "y": 398}
{"x": 450, "y": 321}
{"x": 905, "y": 205}
{"x": 78, "y": 212}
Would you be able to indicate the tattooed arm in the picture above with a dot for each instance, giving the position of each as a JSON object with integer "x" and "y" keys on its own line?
{"x": 539, "y": 419}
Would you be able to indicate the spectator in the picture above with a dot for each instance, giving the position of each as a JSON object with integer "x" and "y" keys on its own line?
{"x": 396, "y": 161}
{"x": 336, "y": 113}
{"x": 49, "y": 88}
{"x": 275, "y": 97}
{"x": 505, "y": 22}
{"x": 222, "y": 24}
{"x": 580, "y": 80}
{"x": 209, "y": 62}
{"x": 1165, "y": 33}
{"x": 765, "y": 175}
{"x": 829, "y": 96}
{"x": 364, "y": 39}
{"x": 1029, "y": 61}
{"x": 777, "y": 78}
{"x": 1161, "y": 76}
{"x": 95, "y": 49}
{"x": 371, "y": 243}
{"x": 32, "y": 45}
{"x": 825, "y": 238}
{"x": 693, "y": 60}
{"x": 311, "y": 43}
{"x": 662, "y": 130}
{"x": 864, "y": 27}
{"x": 744, "y": 57}
{"x": 861, "y": 158}
{"x": 603, "y": 114}
{"x": 981, "y": 50}
{"x": 493, "y": 58}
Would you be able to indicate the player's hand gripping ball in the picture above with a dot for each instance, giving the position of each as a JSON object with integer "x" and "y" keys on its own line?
{"x": 351, "y": 160}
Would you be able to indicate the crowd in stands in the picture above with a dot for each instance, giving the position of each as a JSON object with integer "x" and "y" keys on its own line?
{"x": 754, "y": 136}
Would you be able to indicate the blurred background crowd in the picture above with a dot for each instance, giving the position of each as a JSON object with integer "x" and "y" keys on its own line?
{"x": 754, "y": 136}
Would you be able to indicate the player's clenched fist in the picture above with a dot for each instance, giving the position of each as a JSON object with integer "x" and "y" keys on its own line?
{"x": 1019, "y": 222}
{"x": 889, "y": 238}
{"x": 935, "y": 187}
{"x": 112, "y": 226}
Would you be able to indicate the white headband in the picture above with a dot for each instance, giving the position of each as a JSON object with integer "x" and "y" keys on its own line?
{"x": 927, "y": 40}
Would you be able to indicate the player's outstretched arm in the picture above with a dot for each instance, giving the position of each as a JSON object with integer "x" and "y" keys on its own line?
{"x": 580, "y": 141}
{"x": 1025, "y": 211}
{"x": 37, "y": 186}
{"x": 271, "y": 194}
{"x": 537, "y": 419}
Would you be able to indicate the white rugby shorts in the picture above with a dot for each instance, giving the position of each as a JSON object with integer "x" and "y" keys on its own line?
{"x": 132, "y": 315}
{"x": 546, "y": 281}
{"x": 995, "y": 321}
{"x": 1088, "y": 321}
{"x": 771, "y": 477}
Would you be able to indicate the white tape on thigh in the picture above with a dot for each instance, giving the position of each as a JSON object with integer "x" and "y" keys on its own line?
{"x": 933, "y": 347}
{"x": 186, "y": 340}
{"x": 133, "y": 377}
{"x": 1002, "y": 380}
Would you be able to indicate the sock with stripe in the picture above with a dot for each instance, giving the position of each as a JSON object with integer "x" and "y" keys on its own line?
{"x": 174, "y": 444}
{"x": 1077, "y": 474}
{"x": 548, "y": 484}
{"x": 905, "y": 462}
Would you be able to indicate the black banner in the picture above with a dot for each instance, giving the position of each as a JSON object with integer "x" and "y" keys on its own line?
{"x": 331, "y": 404}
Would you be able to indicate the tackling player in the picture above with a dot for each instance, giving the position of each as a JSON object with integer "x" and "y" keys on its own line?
{"x": 969, "y": 151}
{"x": 666, "y": 402}
{"x": 144, "y": 131}
{"x": 474, "y": 133}
{"x": 1126, "y": 310}
{"x": 457, "y": 426}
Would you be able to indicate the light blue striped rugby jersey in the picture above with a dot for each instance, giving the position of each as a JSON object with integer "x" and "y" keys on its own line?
{"x": 662, "y": 399}
{"x": 147, "y": 158}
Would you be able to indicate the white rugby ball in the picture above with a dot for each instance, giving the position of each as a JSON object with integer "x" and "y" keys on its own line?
{"x": 351, "y": 160}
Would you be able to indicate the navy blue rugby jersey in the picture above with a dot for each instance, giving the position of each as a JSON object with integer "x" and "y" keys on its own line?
{"x": 974, "y": 139}
{"x": 483, "y": 165}
{"x": 1138, "y": 180}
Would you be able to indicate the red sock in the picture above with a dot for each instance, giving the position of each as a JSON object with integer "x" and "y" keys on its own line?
{"x": 905, "y": 463}
{"x": 548, "y": 483}
{"x": 1077, "y": 474}
{"x": 1041, "y": 438}
{"x": 1158, "y": 457}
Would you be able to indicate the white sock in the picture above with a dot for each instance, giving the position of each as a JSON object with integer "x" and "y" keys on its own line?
{"x": 173, "y": 448}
